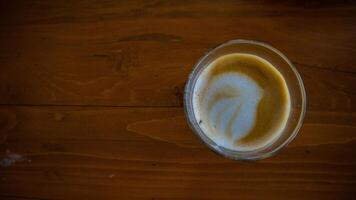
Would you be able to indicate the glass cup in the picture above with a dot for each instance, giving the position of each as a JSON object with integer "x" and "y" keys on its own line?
{"x": 293, "y": 81}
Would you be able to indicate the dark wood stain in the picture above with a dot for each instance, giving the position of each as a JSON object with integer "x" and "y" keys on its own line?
{"x": 158, "y": 37}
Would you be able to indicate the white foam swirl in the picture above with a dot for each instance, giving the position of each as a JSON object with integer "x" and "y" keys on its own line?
{"x": 230, "y": 106}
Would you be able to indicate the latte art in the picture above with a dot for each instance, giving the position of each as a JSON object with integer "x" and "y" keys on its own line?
{"x": 235, "y": 113}
{"x": 241, "y": 102}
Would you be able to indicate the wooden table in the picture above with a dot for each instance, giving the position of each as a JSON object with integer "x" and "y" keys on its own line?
{"x": 91, "y": 99}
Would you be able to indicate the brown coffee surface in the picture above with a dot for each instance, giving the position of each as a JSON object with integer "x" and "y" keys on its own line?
{"x": 272, "y": 108}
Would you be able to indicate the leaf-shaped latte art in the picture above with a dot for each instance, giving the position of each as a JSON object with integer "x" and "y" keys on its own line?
{"x": 232, "y": 102}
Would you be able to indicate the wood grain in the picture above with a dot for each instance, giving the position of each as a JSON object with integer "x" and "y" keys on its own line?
{"x": 91, "y": 99}
{"x": 139, "y": 54}
{"x": 137, "y": 152}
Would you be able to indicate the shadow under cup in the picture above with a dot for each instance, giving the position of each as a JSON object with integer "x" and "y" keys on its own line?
{"x": 293, "y": 81}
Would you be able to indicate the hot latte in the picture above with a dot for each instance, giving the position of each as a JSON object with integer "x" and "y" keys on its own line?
{"x": 241, "y": 102}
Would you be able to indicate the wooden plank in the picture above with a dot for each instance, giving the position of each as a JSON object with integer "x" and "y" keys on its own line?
{"x": 140, "y": 153}
{"x": 100, "y": 86}
{"x": 139, "y": 53}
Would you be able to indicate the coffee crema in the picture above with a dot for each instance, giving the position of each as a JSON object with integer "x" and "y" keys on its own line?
{"x": 241, "y": 102}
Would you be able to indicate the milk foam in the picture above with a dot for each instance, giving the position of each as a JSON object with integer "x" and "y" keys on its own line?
{"x": 227, "y": 110}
